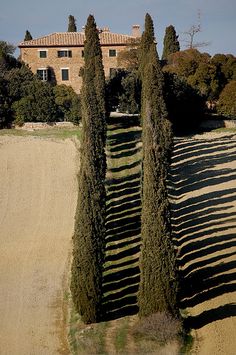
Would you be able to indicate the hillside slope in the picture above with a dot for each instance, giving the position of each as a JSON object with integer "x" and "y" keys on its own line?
{"x": 37, "y": 205}
{"x": 38, "y": 192}
{"x": 203, "y": 193}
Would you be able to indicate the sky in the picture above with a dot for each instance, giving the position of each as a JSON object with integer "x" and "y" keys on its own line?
{"x": 42, "y": 17}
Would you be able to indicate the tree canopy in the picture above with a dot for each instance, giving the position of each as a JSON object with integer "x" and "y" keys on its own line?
{"x": 170, "y": 43}
{"x": 38, "y": 105}
{"x": 28, "y": 36}
{"x": 147, "y": 40}
{"x": 208, "y": 75}
{"x": 30, "y": 99}
{"x": 158, "y": 284}
{"x": 7, "y": 60}
{"x": 128, "y": 58}
{"x": 71, "y": 24}
{"x": 68, "y": 103}
{"x": 227, "y": 100}
{"x": 89, "y": 235}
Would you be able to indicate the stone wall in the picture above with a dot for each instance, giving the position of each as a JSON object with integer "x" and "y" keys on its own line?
{"x": 43, "y": 125}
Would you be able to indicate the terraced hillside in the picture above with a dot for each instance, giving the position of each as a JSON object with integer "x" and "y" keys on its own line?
{"x": 121, "y": 271}
{"x": 37, "y": 204}
{"x": 203, "y": 193}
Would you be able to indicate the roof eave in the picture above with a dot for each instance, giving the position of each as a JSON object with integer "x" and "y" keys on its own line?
{"x": 68, "y": 45}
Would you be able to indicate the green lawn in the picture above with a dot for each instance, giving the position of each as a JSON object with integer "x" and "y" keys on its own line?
{"x": 224, "y": 129}
{"x": 61, "y": 133}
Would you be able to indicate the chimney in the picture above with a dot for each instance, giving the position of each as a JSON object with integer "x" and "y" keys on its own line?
{"x": 106, "y": 29}
{"x": 136, "y": 31}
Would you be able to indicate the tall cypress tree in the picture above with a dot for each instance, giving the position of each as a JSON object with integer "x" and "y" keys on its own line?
{"x": 28, "y": 36}
{"x": 158, "y": 283}
{"x": 89, "y": 235}
{"x": 170, "y": 43}
{"x": 147, "y": 40}
{"x": 71, "y": 24}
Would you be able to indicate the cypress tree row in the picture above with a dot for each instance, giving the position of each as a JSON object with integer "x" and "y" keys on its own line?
{"x": 170, "y": 43}
{"x": 89, "y": 234}
{"x": 158, "y": 281}
{"x": 72, "y": 24}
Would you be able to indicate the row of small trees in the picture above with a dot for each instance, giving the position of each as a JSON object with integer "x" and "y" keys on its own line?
{"x": 158, "y": 285}
{"x": 71, "y": 28}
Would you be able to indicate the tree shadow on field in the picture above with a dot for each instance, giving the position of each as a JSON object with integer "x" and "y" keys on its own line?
{"x": 121, "y": 270}
{"x": 206, "y": 317}
{"x": 203, "y": 217}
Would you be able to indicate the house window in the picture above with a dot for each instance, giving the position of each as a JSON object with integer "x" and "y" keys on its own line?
{"x": 42, "y": 74}
{"x": 64, "y": 53}
{"x": 64, "y": 74}
{"x": 82, "y": 54}
{"x": 112, "y": 52}
{"x": 43, "y": 54}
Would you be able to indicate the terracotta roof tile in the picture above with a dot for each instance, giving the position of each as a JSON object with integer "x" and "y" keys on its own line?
{"x": 74, "y": 39}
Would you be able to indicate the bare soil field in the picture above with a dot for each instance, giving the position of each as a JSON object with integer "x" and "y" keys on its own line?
{"x": 203, "y": 192}
{"x": 38, "y": 192}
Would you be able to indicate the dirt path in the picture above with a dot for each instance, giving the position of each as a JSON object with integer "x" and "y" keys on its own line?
{"x": 204, "y": 218}
{"x": 37, "y": 205}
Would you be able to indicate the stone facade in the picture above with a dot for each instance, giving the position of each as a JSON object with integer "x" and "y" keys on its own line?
{"x": 59, "y": 57}
{"x": 54, "y": 65}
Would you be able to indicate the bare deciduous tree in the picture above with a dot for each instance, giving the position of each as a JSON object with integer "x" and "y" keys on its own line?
{"x": 192, "y": 32}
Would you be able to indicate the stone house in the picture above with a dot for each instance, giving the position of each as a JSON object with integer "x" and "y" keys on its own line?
{"x": 58, "y": 56}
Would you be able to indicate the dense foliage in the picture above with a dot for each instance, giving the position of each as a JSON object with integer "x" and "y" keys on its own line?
{"x": 185, "y": 106}
{"x": 227, "y": 100}
{"x": 128, "y": 57}
{"x": 36, "y": 101}
{"x": 23, "y": 97}
{"x": 7, "y": 60}
{"x": 114, "y": 89}
{"x": 147, "y": 40}
{"x": 38, "y": 105}
{"x": 19, "y": 80}
{"x": 5, "y": 107}
{"x": 129, "y": 100}
{"x": 193, "y": 80}
{"x": 170, "y": 43}
{"x": 28, "y": 36}
{"x": 71, "y": 24}
{"x": 68, "y": 103}
{"x": 123, "y": 91}
{"x": 208, "y": 75}
{"x": 89, "y": 234}
{"x": 158, "y": 284}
